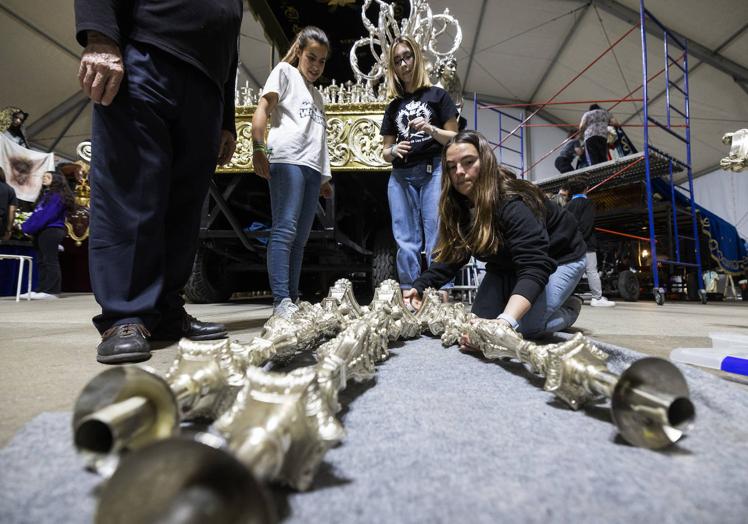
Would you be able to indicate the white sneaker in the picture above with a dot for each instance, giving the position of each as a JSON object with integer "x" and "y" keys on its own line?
{"x": 601, "y": 302}
{"x": 43, "y": 296}
{"x": 285, "y": 309}
{"x": 29, "y": 295}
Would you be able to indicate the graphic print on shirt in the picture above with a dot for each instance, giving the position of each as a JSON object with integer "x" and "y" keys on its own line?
{"x": 411, "y": 110}
{"x": 309, "y": 110}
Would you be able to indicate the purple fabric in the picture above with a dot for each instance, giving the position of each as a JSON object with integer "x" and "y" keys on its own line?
{"x": 49, "y": 212}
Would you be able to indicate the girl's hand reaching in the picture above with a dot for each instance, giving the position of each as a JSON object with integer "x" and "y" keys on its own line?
{"x": 412, "y": 298}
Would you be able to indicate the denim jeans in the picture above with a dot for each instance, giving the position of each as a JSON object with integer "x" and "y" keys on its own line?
{"x": 593, "y": 278}
{"x": 413, "y": 194}
{"x": 294, "y": 195}
{"x": 550, "y": 312}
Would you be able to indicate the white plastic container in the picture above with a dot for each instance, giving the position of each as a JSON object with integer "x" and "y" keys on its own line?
{"x": 735, "y": 342}
{"x": 725, "y": 360}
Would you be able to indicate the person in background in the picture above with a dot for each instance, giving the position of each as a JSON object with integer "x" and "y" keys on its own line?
{"x": 8, "y": 206}
{"x": 295, "y": 160}
{"x": 417, "y": 123}
{"x": 47, "y": 227}
{"x": 572, "y": 150}
{"x": 161, "y": 74}
{"x": 583, "y": 210}
{"x": 594, "y": 128}
{"x": 562, "y": 197}
{"x": 533, "y": 251}
{"x": 15, "y": 130}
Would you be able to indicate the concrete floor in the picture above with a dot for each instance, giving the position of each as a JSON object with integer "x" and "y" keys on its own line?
{"x": 47, "y": 347}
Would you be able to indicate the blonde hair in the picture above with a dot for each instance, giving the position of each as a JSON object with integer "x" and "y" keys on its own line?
{"x": 302, "y": 40}
{"x": 461, "y": 235}
{"x": 395, "y": 87}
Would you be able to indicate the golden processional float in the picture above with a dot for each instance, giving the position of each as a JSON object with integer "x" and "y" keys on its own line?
{"x": 202, "y": 442}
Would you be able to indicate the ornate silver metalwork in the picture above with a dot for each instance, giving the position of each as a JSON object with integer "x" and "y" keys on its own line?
{"x": 447, "y": 79}
{"x": 126, "y": 408}
{"x": 422, "y": 25}
{"x": 650, "y": 403}
{"x": 84, "y": 151}
{"x": 737, "y": 159}
{"x": 280, "y": 425}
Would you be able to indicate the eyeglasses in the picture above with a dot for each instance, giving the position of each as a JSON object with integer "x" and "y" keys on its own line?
{"x": 406, "y": 57}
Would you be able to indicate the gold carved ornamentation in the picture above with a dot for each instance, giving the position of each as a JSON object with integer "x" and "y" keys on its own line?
{"x": 353, "y": 138}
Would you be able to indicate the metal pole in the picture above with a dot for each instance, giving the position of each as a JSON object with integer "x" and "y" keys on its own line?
{"x": 522, "y": 147}
{"x": 690, "y": 173}
{"x": 675, "y": 213}
{"x": 650, "y": 214}
{"x": 475, "y": 110}
{"x": 501, "y": 141}
{"x": 667, "y": 80}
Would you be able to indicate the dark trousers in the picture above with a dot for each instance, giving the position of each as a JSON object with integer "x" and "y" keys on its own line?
{"x": 48, "y": 260}
{"x": 155, "y": 149}
{"x": 597, "y": 150}
{"x": 563, "y": 164}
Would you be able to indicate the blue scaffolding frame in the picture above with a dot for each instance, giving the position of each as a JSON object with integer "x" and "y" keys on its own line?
{"x": 504, "y": 135}
{"x": 669, "y": 39}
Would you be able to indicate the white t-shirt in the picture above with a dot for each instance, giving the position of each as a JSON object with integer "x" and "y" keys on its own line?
{"x": 298, "y": 131}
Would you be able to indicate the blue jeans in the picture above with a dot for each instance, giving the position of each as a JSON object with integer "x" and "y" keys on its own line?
{"x": 294, "y": 195}
{"x": 550, "y": 312}
{"x": 413, "y": 194}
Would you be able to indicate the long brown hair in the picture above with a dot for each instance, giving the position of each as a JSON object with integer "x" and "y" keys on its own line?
{"x": 461, "y": 235}
{"x": 395, "y": 87}
{"x": 60, "y": 186}
{"x": 302, "y": 40}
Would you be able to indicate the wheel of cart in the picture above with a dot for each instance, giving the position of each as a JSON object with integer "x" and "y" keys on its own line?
{"x": 628, "y": 286}
{"x": 659, "y": 295}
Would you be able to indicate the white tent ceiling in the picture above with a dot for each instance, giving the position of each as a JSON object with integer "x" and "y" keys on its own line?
{"x": 512, "y": 50}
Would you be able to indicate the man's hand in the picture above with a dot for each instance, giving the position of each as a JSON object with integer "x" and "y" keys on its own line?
{"x": 325, "y": 191}
{"x": 101, "y": 69}
{"x": 226, "y": 148}
{"x": 412, "y": 298}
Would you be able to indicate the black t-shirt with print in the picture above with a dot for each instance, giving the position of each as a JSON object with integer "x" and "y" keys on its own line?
{"x": 433, "y": 104}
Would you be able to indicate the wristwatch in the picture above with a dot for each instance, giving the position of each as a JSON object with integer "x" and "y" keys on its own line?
{"x": 510, "y": 319}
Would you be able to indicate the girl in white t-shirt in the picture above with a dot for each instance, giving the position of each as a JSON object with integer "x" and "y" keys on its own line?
{"x": 294, "y": 161}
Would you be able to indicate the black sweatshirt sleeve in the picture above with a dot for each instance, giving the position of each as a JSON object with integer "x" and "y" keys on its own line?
{"x": 437, "y": 275}
{"x": 229, "y": 92}
{"x": 526, "y": 239}
{"x": 108, "y": 17}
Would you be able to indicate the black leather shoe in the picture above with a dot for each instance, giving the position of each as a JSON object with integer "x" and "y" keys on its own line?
{"x": 191, "y": 328}
{"x": 123, "y": 344}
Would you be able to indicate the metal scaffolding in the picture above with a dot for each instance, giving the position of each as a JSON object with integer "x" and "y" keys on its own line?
{"x": 651, "y": 163}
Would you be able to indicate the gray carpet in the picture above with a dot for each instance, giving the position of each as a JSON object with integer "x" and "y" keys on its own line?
{"x": 447, "y": 437}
